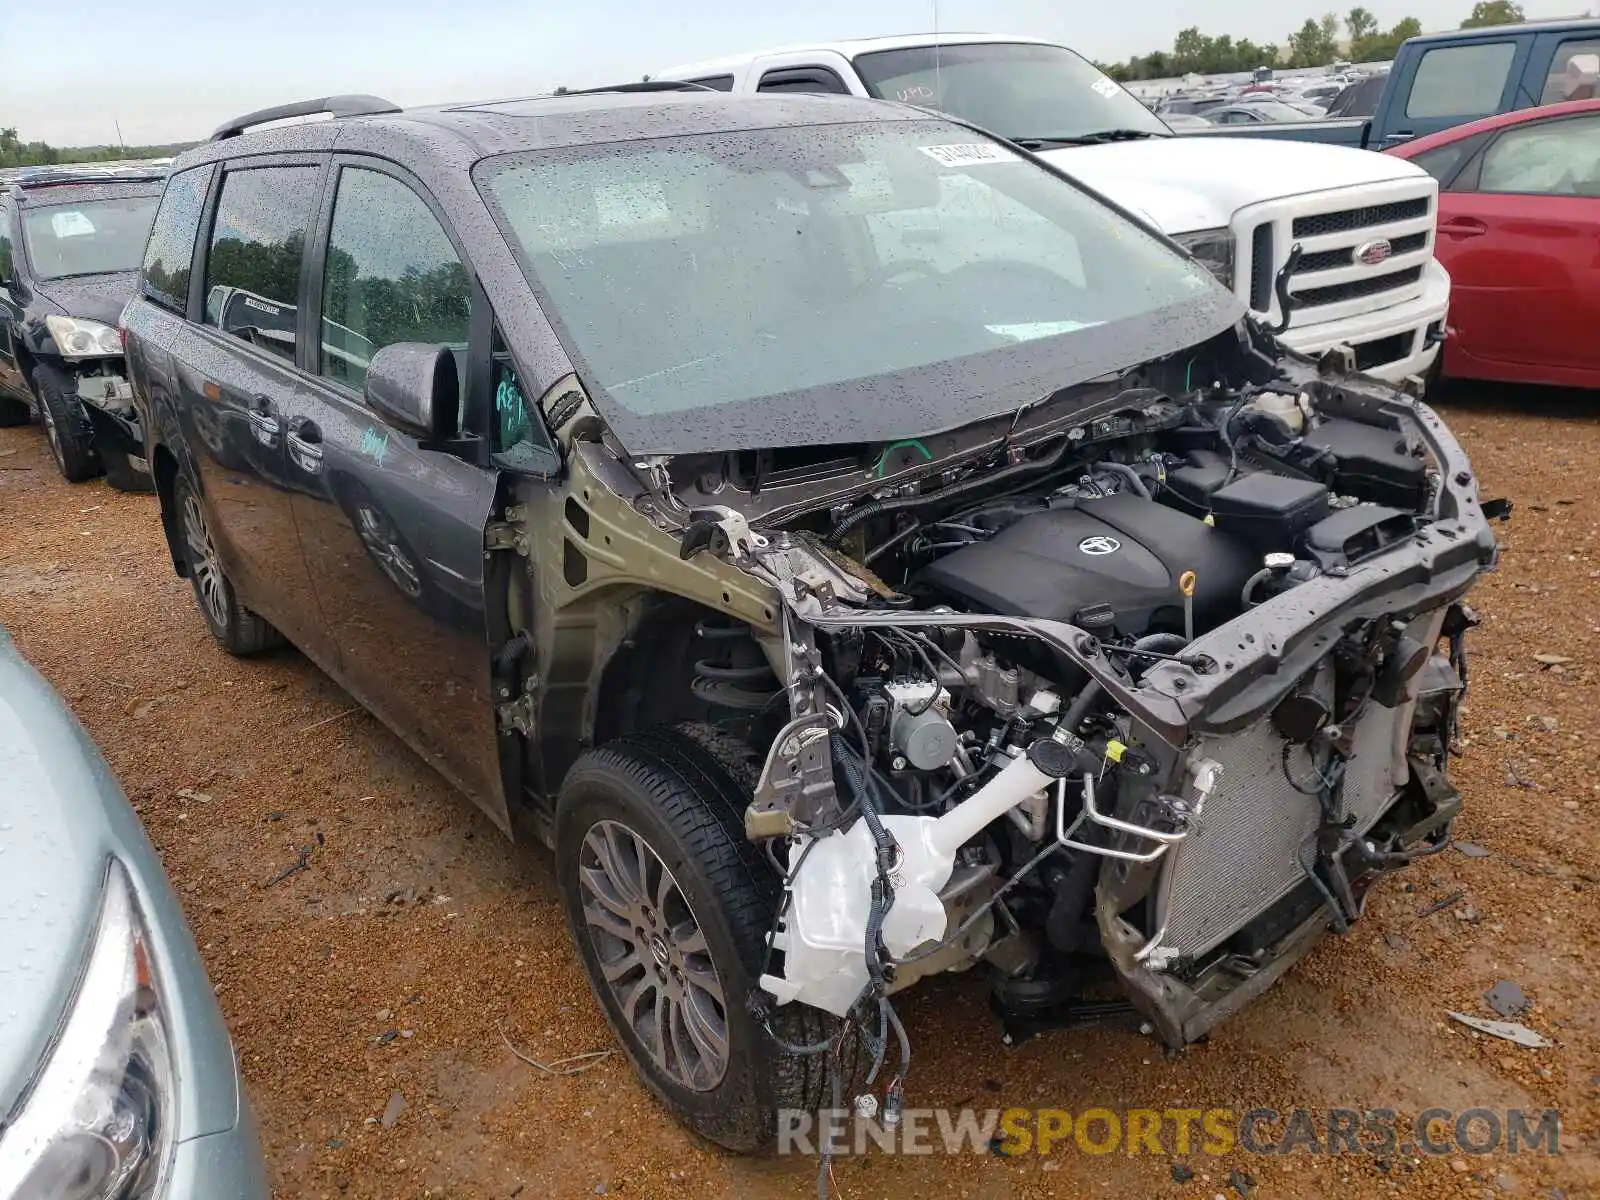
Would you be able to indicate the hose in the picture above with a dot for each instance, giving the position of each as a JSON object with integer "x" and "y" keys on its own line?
{"x": 506, "y": 657}
{"x": 874, "y": 508}
{"x": 1156, "y": 645}
{"x": 1073, "y": 717}
{"x": 1128, "y": 473}
{"x": 882, "y": 895}
{"x": 1259, "y": 577}
{"x": 1169, "y": 643}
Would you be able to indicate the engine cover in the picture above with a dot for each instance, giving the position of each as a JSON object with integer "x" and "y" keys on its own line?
{"x": 1122, "y": 551}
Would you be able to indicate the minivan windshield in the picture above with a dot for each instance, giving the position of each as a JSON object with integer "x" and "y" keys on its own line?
{"x": 1019, "y": 90}
{"x": 841, "y": 282}
{"x": 91, "y": 237}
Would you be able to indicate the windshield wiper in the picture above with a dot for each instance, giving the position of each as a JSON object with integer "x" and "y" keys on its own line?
{"x": 1088, "y": 139}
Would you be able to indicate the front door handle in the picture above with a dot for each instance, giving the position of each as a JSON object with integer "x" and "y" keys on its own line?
{"x": 264, "y": 427}
{"x": 1463, "y": 227}
{"x": 305, "y": 446}
{"x": 1398, "y": 136}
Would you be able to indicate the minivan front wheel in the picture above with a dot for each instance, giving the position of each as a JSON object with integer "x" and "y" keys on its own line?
{"x": 669, "y": 906}
{"x": 237, "y": 630}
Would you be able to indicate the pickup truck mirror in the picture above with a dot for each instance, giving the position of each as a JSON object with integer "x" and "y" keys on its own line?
{"x": 415, "y": 386}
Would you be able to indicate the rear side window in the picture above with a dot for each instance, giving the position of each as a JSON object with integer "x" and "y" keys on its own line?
{"x": 1461, "y": 81}
{"x": 257, "y": 246}
{"x": 1574, "y": 72}
{"x": 164, "y": 277}
{"x": 5, "y": 245}
{"x": 1443, "y": 162}
{"x": 1545, "y": 158}
{"x": 803, "y": 79}
{"x": 391, "y": 276}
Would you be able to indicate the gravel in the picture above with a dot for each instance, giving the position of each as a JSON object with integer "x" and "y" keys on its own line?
{"x": 413, "y": 913}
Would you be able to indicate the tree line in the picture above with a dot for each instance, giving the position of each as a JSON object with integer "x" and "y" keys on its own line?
{"x": 1315, "y": 44}
{"x": 14, "y": 152}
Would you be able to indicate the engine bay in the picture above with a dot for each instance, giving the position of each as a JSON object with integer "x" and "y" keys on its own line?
{"x": 1152, "y": 693}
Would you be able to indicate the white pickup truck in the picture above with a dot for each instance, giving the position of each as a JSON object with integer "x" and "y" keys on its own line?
{"x": 1365, "y": 276}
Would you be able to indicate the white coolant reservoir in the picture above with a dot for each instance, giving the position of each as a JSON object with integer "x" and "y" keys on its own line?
{"x": 825, "y": 930}
{"x": 1291, "y": 410}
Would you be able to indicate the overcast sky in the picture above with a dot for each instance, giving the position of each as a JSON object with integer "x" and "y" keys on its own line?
{"x": 172, "y": 70}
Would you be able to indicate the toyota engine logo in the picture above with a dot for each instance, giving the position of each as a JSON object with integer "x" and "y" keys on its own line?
{"x": 1373, "y": 253}
{"x": 1099, "y": 544}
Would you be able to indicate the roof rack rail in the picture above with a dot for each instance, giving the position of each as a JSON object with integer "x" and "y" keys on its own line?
{"x": 336, "y": 106}
{"x": 642, "y": 85}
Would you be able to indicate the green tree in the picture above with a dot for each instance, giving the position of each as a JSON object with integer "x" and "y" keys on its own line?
{"x": 1494, "y": 12}
{"x": 1190, "y": 50}
{"x": 1311, "y": 45}
{"x": 1381, "y": 47}
{"x": 1361, "y": 23}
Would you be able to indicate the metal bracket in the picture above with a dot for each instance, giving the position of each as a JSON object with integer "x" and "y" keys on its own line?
{"x": 516, "y": 716}
{"x": 509, "y": 534}
{"x": 796, "y": 785}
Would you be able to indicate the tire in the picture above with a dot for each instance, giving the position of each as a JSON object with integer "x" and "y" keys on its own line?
{"x": 673, "y": 792}
{"x": 121, "y": 475}
{"x": 1433, "y": 379}
{"x": 13, "y": 412}
{"x": 72, "y": 449}
{"x": 237, "y": 630}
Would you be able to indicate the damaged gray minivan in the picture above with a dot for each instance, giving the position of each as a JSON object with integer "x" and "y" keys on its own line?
{"x": 871, "y": 555}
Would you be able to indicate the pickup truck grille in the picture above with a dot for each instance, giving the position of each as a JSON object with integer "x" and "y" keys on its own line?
{"x": 1358, "y": 287}
{"x": 1359, "y": 218}
{"x": 1324, "y": 260}
{"x": 1392, "y": 222}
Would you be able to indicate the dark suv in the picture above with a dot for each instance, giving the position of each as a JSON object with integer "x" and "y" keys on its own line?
{"x": 70, "y": 242}
{"x": 859, "y": 551}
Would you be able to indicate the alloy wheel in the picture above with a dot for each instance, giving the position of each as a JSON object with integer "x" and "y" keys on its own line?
{"x": 653, "y": 955}
{"x": 383, "y": 542}
{"x": 53, "y": 434}
{"x": 203, "y": 564}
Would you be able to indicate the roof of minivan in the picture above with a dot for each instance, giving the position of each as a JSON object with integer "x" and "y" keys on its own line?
{"x": 461, "y": 134}
{"x": 849, "y": 48}
{"x": 1491, "y": 32}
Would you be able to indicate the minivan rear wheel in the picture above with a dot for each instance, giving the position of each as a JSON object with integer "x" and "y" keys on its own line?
{"x": 669, "y": 906}
{"x": 237, "y": 630}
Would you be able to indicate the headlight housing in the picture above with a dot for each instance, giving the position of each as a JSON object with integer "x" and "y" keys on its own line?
{"x": 98, "y": 1120}
{"x": 77, "y": 338}
{"x": 1214, "y": 249}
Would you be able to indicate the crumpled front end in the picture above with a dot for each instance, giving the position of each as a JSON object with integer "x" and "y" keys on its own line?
{"x": 1155, "y": 696}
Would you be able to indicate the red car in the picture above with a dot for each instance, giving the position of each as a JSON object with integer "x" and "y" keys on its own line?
{"x": 1519, "y": 232}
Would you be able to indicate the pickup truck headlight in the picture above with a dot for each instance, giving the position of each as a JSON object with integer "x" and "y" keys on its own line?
{"x": 1214, "y": 249}
{"x": 77, "y": 338}
{"x": 97, "y": 1123}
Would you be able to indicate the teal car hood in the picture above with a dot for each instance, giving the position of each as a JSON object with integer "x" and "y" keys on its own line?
{"x": 62, "y": 817}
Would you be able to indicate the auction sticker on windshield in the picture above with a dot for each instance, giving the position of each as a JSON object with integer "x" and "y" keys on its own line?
{"x": 1106, "y": 86}
{"x": 71, "y": 224}
{"x": 968, "y": 154}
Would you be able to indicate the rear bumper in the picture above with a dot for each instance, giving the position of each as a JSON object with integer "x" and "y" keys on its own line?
{"x": 1390, "y": 343}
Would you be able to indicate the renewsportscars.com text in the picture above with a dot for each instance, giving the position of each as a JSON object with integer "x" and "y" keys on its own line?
{"x": 1167, "y": 1131}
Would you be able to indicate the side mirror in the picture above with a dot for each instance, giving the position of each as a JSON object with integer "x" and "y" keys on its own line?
{"x": 414, "y": 385}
